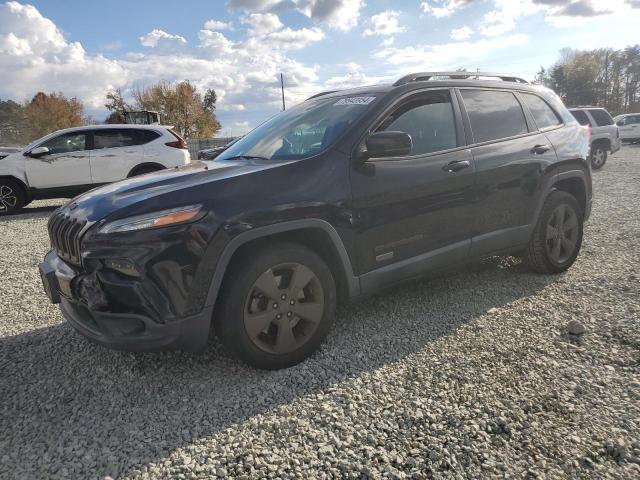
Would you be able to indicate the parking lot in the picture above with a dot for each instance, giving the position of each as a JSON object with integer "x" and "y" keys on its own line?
{"x": 466, "y": 375}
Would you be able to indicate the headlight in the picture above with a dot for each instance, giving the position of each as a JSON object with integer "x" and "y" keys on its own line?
{"x": 163, "y": 218}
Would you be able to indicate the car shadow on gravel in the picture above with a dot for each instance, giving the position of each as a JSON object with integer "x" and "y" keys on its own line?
{"x": 67, "y": 401}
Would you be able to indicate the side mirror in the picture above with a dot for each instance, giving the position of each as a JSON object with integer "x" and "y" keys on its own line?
{"x": 620, "y": 123}
{"x": 388, "y": 144}
{"x": 38, "y": 152}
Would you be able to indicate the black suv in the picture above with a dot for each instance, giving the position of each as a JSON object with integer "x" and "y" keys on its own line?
{"x": 345, "y": 194}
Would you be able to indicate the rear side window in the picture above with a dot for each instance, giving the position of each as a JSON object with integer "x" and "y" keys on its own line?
{"x": 494, "y": 114}
{"x": 113, "y": 138}
{"x": 581, "y": 117}
{"x": 631, "y": 119}
{"x": 429, "y": 119}
{"x": 601, "y": 116}
{"x": 542, "y": 113}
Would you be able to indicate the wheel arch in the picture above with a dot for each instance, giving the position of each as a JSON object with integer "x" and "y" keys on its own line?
{"x": 317, "y": 235}
{"x": 143, "y": 165}
{"x": 21, "y": 183}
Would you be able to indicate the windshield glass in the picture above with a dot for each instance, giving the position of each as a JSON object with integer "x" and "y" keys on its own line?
{"x": 302, "y": 131}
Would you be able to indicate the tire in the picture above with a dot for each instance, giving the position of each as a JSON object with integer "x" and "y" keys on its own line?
{"x": 244, "y": 308}
{"x": 12, "y": 197}
{"x": 598, "y": 157}
{"x": 543, "y": 254}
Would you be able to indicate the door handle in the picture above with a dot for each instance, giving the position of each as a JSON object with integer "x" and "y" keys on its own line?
{"x": 456, "y": 166}
{"x": 540, "y": 149}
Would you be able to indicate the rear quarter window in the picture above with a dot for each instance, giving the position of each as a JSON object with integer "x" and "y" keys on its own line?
{"x": 145, "y": 136}
{"x": 542, "y": 113}
{"x": 601, "y": 117}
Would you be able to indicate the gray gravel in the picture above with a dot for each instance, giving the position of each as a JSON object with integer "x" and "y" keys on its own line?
{"x": 491, "y": 371}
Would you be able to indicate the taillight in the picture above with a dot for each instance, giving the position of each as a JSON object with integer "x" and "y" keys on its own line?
{"x": 179, "y": 143}
{"x": 587, "y": 131}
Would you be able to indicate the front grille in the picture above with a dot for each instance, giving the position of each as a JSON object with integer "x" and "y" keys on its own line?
{"x": 65, "y": 234}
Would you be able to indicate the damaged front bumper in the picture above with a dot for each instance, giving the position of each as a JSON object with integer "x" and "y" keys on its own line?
{"x": 84, "y": 303}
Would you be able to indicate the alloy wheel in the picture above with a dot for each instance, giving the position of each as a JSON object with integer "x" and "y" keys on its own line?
{"x": 284, "y": 308}
{"x": 8, "y": 198}
{"x": 562, "y": 233}
{"x": 597, "y": 157}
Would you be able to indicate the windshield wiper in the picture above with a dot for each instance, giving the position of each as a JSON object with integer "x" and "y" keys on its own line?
{"x": 247, "y": 157}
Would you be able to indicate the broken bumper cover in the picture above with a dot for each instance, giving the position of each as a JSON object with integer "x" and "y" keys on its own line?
{"x": 121, "y": 331}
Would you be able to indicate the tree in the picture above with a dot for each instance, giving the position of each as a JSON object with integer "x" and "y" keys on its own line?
{"x": 116, "y": 106}
{"x": 47, "y": 113}
{"x": 182, "y": 106}
{"x": 13, "y": 124}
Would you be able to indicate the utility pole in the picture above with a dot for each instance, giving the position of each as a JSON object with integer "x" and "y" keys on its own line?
{"x": 282, "y": 87}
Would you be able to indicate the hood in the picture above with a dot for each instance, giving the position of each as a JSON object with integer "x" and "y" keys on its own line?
{"x": 101, "y": 202}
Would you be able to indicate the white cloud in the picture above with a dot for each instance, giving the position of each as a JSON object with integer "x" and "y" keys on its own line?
{"x": 443, "y": 8}
{"x": 263, "y": 23}
{"x": 387, "y": 42}
{"x": 244, "y": 124}
{"x": 294, "y": 39}
{"x": 447, "y": 56}
{"x": 217, "y": 25}
{"x": 161, "y": 39}
{"x": 461, "y": 33}
{"x": 338, "y": 14}
{"x": 384, "y": 23}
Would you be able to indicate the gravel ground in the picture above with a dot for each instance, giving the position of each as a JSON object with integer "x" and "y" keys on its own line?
{"x": 472, "y": 374}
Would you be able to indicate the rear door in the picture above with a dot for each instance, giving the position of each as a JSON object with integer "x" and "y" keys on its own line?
{"x": 116, "y": 151}
{"x": 416, "y": 205}
{"x": 66, "y": 164}
{"x": 511, "y": 157}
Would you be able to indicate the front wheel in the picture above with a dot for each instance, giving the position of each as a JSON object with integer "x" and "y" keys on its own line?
{"x": 598, "y": 157}
{"x": 12, "y": 197}
{"x": 557, "y": 238}
{"x": 277, "y": 306}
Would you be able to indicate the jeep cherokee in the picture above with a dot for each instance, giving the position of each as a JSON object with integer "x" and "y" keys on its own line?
{"x": 343, "y": 195}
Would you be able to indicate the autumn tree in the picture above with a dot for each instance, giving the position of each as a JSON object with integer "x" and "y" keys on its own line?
{"x": 116, "y": 106}
{"x": 47, "y": 113}
{"x": 182, "y": 106}
{"x": 13, "y": 124}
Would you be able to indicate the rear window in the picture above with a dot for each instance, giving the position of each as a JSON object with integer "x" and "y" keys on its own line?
{"x": 601, "y": 116}
{"x": 494, "y": 114}
{"x": 581, "y": 117}
{"x": 542, "y": 113}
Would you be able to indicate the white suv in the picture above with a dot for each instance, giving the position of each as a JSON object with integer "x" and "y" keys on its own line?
{"x": 629, "y": 125}
{"x": 68, "y": 162}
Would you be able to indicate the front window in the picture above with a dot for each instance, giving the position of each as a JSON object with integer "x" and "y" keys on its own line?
{"x": 66, "y": 143}
{"x": 302, "y": 131}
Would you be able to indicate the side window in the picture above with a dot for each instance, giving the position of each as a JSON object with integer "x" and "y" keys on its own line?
{"x": 581, "y": 117}
{"x": 430, "y": 121}
{"x": 69, "y": 142}
{"x": 113, "y": 138}
{"x": 145, "y": 136}
{"x": 632, "y": 119}
{"x": 542, "y": 113}
{"x": 601, "y": 117}
{"x": 494, "y": 114}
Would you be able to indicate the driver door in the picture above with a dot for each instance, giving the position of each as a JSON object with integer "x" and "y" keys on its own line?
{"x": 414, "y": 211}
{"x": 66, "y": 164}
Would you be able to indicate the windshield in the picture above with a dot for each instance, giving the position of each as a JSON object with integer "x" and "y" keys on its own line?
{"x": 302, "y": 131}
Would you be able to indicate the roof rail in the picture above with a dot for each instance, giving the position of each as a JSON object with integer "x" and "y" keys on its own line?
{"x": 321, "y": 94}
{"x": 422, "y": 76}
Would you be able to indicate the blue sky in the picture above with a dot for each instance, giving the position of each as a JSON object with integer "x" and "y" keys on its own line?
{"x": 239, "y": 47}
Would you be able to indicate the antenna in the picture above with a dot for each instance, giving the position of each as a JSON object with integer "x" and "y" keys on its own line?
{"x": 282, "y": 87}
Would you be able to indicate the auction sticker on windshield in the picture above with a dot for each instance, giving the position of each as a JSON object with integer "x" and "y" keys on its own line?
{"x": 355, "y": 101}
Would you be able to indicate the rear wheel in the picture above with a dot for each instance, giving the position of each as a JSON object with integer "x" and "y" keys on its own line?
{"x": 598, "y": 157}
{"x": 12, "y": 197}
{"x": 277, "y": 306}
{"x": 557, "y": 238}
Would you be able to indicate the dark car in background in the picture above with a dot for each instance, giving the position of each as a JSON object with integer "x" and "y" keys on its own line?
{"x": 343, "y": 195}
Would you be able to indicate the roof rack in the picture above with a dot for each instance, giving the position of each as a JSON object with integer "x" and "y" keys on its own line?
{"x": 422, "y": 76}
{"x": 321, "y": 94}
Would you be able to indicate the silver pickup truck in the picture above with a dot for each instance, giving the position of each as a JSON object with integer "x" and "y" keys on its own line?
{"x": 605, "y": 136}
